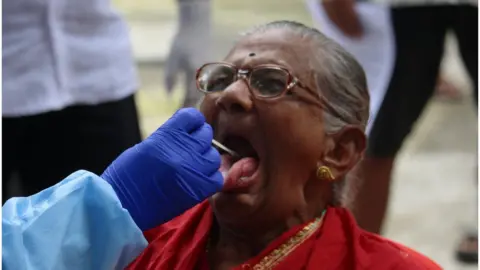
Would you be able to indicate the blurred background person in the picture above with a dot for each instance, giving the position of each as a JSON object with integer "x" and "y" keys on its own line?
{"x": 369, "y": 39}
{"x": 190, "y": 48}
{"x": 400, "y": 43}
{"x": 69, "y": 80}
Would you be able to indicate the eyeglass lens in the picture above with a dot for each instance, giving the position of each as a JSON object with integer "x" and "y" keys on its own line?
{"x": 264, "y": 81}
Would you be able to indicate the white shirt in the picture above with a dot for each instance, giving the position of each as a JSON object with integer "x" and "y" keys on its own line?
{"x": 58, "y": 53}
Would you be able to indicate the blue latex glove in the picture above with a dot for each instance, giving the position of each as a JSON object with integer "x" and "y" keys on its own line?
{"x": 171, "y": 171}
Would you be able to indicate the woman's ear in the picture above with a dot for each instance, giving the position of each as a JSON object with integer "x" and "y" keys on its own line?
{"x": 348, "y": 146}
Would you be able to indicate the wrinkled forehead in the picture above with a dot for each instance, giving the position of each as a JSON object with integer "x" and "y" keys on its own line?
{"x": 274, "y": 46}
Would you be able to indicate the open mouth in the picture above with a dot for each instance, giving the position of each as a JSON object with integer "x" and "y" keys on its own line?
{"x": 239, "y": 171}
{"x": 241, "y": 146}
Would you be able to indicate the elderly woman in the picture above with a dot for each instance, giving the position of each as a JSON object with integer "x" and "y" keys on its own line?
{"x": 294, "y": 105}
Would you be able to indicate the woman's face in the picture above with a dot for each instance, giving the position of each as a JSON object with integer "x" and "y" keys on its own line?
{"x": 284, "y": 136}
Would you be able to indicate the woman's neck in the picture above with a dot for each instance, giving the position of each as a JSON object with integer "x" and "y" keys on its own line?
{"x": 228, "y": 248}
{"x": 248, "y": 243}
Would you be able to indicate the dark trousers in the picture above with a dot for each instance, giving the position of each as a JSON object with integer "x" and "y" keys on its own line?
{"x": 420, "y": 36}
{"x": 43, "y": 149}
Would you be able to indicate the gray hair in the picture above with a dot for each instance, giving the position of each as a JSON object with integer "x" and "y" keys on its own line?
{"x": 340, "y": 79}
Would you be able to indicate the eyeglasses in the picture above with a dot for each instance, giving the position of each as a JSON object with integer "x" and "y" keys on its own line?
{"x": 264, "y": 81}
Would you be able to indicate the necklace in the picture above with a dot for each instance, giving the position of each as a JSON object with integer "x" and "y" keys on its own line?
{"x": 278, "y": 254}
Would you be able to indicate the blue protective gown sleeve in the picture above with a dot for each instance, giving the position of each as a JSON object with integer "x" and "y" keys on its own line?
{"x": 77, "y": 224}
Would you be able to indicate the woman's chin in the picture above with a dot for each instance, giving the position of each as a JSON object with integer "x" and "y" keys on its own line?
{"x": 233, "y": 209}
{"x": 238, "y": 203}
{"x": 232, "y": 200}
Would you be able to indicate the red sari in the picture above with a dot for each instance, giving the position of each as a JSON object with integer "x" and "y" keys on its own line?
{"x": 338, "y": 244}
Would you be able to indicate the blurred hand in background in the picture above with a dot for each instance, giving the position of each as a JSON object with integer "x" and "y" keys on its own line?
{"x": 190, "y": 47}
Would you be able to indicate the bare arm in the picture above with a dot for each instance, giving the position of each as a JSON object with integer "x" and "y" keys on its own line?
{"x": 194, "y": 14}
{"x": 344, "y": 15}
{"x": 190, "y": 46}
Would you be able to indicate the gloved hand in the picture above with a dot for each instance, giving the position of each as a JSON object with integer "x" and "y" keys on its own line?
{"x": 171, "y": 171}
{"x": 190, "y": 47}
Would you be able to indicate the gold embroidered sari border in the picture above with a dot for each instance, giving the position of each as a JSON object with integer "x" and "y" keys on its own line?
{"x": 277, "y": 255}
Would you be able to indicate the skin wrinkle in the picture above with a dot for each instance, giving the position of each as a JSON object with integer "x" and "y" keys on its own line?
{"x": 338, "y": 89}
{"x": 287, "y": 120}
{"x": 291, "y": 136}
{"x": 281, "y": 42}
{"x": 346, "y": 99}
{"x": 309, "y": 43}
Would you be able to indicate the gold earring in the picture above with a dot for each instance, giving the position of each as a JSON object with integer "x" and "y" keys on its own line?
{"x": 324, "y": 173}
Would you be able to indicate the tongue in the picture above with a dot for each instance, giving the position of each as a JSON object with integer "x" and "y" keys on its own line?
{"x": 240, "y": 174}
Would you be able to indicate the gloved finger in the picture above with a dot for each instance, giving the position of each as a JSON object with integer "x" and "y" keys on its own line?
{"x": 210, "y": 161}
{"x": 204, "y": 136}
{"x": 202, "y": 186}
{"x": 217, "y": 180}
{"x": 186, "y": 119}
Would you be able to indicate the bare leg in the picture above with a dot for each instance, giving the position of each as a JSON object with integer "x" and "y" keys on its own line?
{"x": 466, "y": 28}
{"x": 445, "y": 89}
{"x": 371, "y": 200}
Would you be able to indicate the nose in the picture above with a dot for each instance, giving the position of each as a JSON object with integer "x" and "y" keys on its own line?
{"x": 236, "y": 98}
